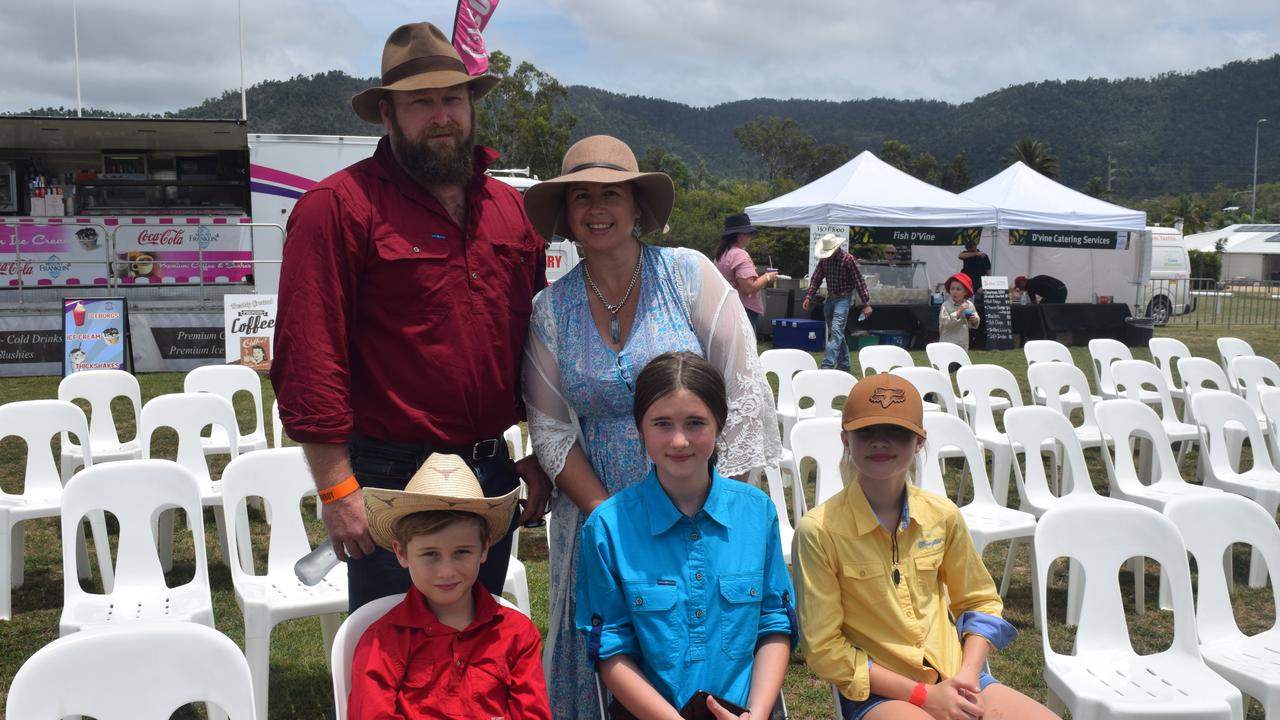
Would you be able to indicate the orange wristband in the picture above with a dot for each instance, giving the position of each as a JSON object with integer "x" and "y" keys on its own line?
{"x": 339, "y": 491}
{"x": 919, "y": 694}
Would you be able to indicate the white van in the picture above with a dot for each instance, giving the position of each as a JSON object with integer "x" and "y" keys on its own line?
{"x": 562, "y": 254}
{"x": 1168, "y": 292}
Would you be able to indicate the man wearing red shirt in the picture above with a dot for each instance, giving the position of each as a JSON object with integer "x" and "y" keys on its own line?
{"x": 405, "y": 295}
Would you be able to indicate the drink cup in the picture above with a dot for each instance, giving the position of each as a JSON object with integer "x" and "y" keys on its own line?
{"x": 78, "y": 314}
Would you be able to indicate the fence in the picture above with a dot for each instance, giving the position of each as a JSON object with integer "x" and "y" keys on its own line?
{"x": 1205, "y": 301}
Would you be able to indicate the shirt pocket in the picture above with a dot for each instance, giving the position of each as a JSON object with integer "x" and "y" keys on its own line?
{"x": 412, "y": 272}
{"x": 865, "y": 583}
{"x": 927, "y": 570}
{"x": 419, "y": 674}
{"x": 489, "y": 684}
{"x": 659, "y": 633}
{"x": 740, "y": 613}
{"x": 515, "y": 258}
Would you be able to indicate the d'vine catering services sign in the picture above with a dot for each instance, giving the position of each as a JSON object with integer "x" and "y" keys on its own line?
{"x": 1086, "y": 239}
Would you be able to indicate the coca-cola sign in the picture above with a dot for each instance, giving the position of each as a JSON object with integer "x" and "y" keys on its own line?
{"x": 169, "y": 236}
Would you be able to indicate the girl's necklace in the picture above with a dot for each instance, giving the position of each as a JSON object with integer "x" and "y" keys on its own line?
{"x": 615, "y": 328}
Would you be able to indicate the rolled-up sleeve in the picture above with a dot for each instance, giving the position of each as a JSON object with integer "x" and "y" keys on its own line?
{"x": 311, "y": 371}
{"x": 778, "y": 613}
{"x": 827, "y": 652}
{"x": 602, "y": 614}
{"x": 974, "y": 601}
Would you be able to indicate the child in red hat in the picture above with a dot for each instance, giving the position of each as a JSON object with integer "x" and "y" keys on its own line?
{"x": 957, "y": 315}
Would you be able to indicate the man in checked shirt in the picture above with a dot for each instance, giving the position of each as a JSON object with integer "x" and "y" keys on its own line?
{"x": 843, "y": 277}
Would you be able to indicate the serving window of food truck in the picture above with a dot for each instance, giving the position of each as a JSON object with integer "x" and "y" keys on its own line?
{"x": 93, "y": 201}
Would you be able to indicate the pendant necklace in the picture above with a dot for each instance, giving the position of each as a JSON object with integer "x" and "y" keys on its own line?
{"x": 615, "y": 328}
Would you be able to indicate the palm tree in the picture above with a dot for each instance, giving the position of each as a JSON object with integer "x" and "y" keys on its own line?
{"x": 1034, "y": 154}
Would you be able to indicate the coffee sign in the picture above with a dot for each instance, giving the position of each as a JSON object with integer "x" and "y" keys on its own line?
{"x": 250, "y": 330}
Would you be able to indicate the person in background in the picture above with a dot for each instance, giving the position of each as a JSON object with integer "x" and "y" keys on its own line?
{"x": 739, "y": 269}
{"x": 957, "y": 314}
{"x": 1040, "y": 289}
{"x": 897, "y": 609}
{"x": 840, "y": 271}
{"x": 974, "y": 263}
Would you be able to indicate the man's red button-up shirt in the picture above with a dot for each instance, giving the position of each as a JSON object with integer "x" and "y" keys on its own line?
{"x": 396, "y": 323}
{"x": 410, "y": 665}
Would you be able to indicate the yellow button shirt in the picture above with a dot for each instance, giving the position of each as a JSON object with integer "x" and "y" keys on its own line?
{"x": 851, "y": 610}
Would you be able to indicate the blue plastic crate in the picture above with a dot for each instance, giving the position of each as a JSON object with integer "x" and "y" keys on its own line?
{"x": 808, "y": 335}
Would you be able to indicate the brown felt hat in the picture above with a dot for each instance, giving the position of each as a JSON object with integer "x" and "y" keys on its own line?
{"x": 601, "y": 159}
{"x": 884, "y": 399}
{"x": 418, "y": 56}
{"x": 444, "y": 482}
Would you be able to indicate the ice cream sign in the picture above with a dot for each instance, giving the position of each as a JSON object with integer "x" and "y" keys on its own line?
{"x": 94, "y": 334}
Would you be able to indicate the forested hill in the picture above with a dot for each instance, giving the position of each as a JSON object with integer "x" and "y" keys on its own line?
{"x": 1174, "y": 133}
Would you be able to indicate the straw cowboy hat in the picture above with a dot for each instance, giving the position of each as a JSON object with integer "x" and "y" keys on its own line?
{"x": 418, "y": 57}
{"x": 600, "y": 159}
{"x": 444, "y": 482}
{"x": 827, "y": 245}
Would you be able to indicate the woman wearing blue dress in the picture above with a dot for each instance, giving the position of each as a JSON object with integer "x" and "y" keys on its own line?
{"x": 591, "y": 334}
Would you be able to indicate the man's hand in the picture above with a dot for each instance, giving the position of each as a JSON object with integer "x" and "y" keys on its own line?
{"x": 348, "y": 527}
{"x": 866, "y": 310}
{"x": 805, "y": 304}
{"x": 720, "y": 713}
{"x": 537, "y": 488}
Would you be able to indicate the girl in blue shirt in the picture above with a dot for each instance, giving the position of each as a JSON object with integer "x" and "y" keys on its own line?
{"x": 681, "y": 583}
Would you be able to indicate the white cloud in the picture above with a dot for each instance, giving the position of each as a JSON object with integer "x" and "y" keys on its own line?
{"x": 157, "y": 55}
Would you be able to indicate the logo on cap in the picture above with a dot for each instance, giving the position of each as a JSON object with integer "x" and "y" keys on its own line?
{"x": 884, "y": 397}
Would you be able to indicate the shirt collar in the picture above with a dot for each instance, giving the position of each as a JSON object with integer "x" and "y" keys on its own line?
{"x": 663, "y": 514}
{"x": 415, "y": 613}
{"x": 864, "y": 518}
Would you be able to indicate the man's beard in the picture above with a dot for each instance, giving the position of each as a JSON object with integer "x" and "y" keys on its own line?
{"x": 429, "y": 166}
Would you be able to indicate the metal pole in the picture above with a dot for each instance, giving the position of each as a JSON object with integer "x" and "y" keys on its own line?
{"x": 244, "y": 104}
{"x": 1253, "y": 204}
{"x": 75, "y": 37}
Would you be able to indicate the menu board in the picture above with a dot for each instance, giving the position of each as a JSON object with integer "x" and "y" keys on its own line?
{"x": 94, "y": 334}
{"x": 997, "y": 317}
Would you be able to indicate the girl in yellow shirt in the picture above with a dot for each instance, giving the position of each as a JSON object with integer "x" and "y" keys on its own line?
{"x": 883, "y": 566}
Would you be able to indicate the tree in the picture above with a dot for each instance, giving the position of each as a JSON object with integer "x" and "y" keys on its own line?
{"x": 955, "y": 174}
{"x": 522, "y": 117}
{"x": 662, "y": 160}
{"x": 1035, "y": 154}
{"x": 925, "y": 167}
{"x": 1096, "y": 188}
{"x": 1192, "y": 213}
{"x": 896, "y": 154}
{"x": 788, "y": 152}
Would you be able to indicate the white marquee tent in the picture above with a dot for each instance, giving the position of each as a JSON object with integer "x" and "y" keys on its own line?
{"x": 1248, "y": 251}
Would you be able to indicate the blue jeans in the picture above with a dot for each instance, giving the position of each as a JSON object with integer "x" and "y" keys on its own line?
{"x": 390, "y": 465}
{"x": 837, "y": 312}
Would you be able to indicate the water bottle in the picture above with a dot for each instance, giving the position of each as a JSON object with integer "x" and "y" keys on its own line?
{"x": 313, "y": 566}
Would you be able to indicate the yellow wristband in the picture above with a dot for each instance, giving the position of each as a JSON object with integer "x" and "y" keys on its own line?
{"x": 339, "y": 491}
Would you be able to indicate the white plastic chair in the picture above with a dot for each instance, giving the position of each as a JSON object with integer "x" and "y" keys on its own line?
{"x": 1132, "y": 378}
{"x": 819, "y": 439}
{"x": 1209, "y": 527}
{"x": 786, "y": 518}
{"x": 99, "y": 388}
{"x": 1270, "y": 400}
{"x": 1105, "y": 678}
{"x": 1216, "y": 412}
{"x": 346, "y": 639}
{"x": 1166, "y": 352}
{"x": 36, "y": 422}
{"x": 282, "y": 479}
{"x": 188, "y": 414}
{"x": 943, "y": 355}
{"x": 1050, "y": 380}
{"x": 822, "y": 387}
{"x": 277, "y": 427}
{"x": 981, "y": 383}
{"x": 784, "y": 363}
{"x": 516, "y": 582}
{"x": 143, "y": 671}
{"x": 1252, "y": 373}
{"x": 135, "y": 492}
{"x": 883, "y": 358}
{"x": 1102, "y": 353}
{"x": 1230, "y": 348}
{"x": 226, "y": 381}
{"x": 988, "y": 522}
{"x": 932, "y": 383}
{"x": 1038, "y": 351}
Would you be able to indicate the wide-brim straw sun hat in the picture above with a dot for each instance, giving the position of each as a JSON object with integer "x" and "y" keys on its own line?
{"x": 444, "y": 482}
{"x": 827, "y": 245}
{"x": 418, "y": 56}
{"x": 600, "y": 159}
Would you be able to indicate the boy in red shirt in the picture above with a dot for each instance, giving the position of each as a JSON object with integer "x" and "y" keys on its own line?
{"x": 449, "y": 650}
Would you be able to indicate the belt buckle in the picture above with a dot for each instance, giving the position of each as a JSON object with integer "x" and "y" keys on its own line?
{"x": 478, "y": 454}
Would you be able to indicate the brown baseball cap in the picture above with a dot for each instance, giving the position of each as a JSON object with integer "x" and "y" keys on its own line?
{"x": 884, "y": 399}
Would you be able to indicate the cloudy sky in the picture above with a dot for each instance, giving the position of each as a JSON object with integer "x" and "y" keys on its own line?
{"x": 157, "y": 55}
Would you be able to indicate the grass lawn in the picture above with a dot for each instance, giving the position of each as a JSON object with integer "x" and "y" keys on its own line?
{"x": 300, "y": 686}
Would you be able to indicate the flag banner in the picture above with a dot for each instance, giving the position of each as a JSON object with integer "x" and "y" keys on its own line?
{"x": 468, "y": 24}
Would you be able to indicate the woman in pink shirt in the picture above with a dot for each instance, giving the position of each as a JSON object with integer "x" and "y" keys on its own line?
{"x": 738, "y": 268}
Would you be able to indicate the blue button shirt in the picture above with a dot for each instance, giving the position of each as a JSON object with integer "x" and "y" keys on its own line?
{"x": 687, "y": 598}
